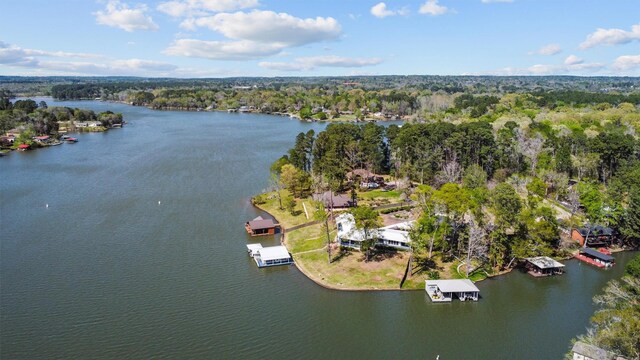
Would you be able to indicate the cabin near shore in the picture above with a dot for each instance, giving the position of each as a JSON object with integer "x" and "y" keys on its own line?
{"x": 335, "y": 201}
{"x": 594, "y": 236}
{"x": 261, "y": 227}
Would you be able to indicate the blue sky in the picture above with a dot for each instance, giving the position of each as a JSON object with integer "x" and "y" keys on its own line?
{"x": 222, "y": 38}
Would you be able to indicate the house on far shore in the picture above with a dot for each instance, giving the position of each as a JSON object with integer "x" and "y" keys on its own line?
{"x": 593, "y": 236}
{"x": 444, "y": 290}
{"x": 260, "y": 226}
{"x": 335, "y": 201}
{"x": 543, "y": 266}
{"x": 583, "y": 351}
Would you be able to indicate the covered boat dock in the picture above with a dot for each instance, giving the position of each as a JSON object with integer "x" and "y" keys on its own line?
{"x": 260, "y": 226}
{"x": 444, "y": 290}
{"x": 596, "y": 258}
{"x": 269, "y": 256}
{"x": 543, "y": 266}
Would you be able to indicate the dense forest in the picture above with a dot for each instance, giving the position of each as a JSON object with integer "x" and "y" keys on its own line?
{"x": 493, "y": 187}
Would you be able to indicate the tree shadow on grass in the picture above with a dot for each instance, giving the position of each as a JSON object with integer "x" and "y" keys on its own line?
{"x": 343, "y": 253}
{"x": 423, "y": 265}
{"x": 381, "y": 255}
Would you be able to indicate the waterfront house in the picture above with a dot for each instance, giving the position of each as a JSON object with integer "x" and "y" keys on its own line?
{"x": 335, "y": 201}
{"x": 596, "y": 258}
{"x": 42, "y": 139}
{"x": 444, "y": 290}
{"x": 593, "y": 236}
{"x": 584, "y": 351}
{"x": 269, "y": 256}
{"x": 260, "y": 226}
{"x": 393, "y": 236}
{"x": 24, "y": 147}
{"x": 543, "y": 266}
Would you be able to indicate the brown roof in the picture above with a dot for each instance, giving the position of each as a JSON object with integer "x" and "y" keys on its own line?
{"x": 259, "y": 223}
{"x": 334, "y": 200}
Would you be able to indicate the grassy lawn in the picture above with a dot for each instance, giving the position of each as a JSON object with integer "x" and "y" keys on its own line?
{"x": 379, "y": 197}
{"x": 284, "y": 217}
{"x": 306, "y": 239}
{"x": 476, "y": 275}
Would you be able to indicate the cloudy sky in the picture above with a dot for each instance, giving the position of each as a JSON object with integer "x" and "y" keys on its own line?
{"x": 221, "y": 38}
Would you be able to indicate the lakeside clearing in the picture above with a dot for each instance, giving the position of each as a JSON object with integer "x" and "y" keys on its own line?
{"x": 348, "y": 269}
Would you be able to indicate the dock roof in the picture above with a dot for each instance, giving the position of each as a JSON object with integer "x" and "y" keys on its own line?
{"x": 274, "y": 253}
{"x": 597, "y": 254}
{"x": 453, "y": 286}
{"x": 254, "y": 247}
{"x": 260, "y": 223}
{"x": 544, "y": 262}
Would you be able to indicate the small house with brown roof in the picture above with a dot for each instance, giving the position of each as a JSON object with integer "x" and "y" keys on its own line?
{"x": 335, "y": 201}
{"x": 593, "y": 236}
{"x": 260, "y": 226}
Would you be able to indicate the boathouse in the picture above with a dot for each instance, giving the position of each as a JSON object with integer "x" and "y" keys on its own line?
{"x": 595, "y": 258}
{"x": 24, "y": 147}
{"x": 584, "y": 351}
{"x": 543, "y": 266}
{"x": 593, "y": 236}
{"x": 269, "y": 256}
{"x": 444, "y": 290}
{"x": 260, "y": 226}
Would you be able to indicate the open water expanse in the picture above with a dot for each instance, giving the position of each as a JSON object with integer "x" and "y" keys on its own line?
{"x": 141, "y": 254}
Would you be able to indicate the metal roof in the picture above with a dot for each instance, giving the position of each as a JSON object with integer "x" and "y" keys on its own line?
{"x": 254, "y": 247}
{"x": 274, "y": 253}
{"x": 597, "y": 254}
{"x": 544, "y": 262}
{"x": 453, "y": 286}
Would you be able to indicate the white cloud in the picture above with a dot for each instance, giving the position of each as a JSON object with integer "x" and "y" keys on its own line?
{"x": 223, "y": 50}
{"x": 312, "y": 62}
{"x": 573, "y": 60}
{"x": 572, "y": 66}
{"x": 496, "y": 1}
{"x": 431, "y": 7}
{"x": 182, "y": 8}
{"x": 119, "y": 15}
{"x": 611, "y": 37}
{"x": 380, "y": 11}
{"x": 40, "y": 61}
{"x": 11, "y": 54}
{"x": 550, "y": 49}
{"x": 627, "y": 62}
{"x": 271, "y": 27}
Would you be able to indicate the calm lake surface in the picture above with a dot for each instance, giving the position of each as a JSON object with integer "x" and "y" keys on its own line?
{"x": 141, "y": 254}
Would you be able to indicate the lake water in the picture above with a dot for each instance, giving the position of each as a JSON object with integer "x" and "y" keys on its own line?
{"x": 141, "y": 254}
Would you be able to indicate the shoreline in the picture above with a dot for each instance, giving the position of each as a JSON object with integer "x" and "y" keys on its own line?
{"x": 328, "y": 286}
{"x": 292, "y": 116}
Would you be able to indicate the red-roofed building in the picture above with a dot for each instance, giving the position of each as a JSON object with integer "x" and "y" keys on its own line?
{"x": 24, "y": 147}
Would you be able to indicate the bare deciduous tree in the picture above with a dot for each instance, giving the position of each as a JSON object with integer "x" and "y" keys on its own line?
{"x": 477, "y": 245}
